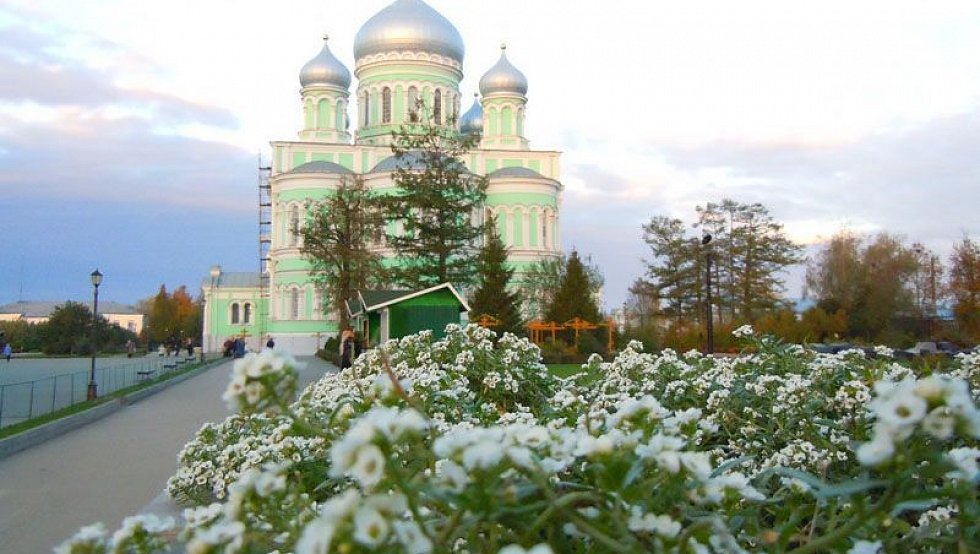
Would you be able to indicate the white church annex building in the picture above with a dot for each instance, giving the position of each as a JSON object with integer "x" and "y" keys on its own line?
{"x": 405, "y": 53}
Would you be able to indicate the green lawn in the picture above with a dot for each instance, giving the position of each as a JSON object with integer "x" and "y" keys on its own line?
{"x": 565, "y": 370}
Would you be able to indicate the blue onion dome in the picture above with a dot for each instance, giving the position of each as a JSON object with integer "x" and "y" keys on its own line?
{"x": 503, "y": 77}
{"x": 472, "y": 121}
{"x": 324, "y": 69}
{"x": 409, "y": 25}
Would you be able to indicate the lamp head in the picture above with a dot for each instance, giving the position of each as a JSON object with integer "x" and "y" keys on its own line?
{"x": 705, "y": 239}
{"x": 96, "y": 278}
{"x": 215, "y": 271}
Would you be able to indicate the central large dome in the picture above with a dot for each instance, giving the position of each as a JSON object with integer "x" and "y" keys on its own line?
{"x": 409, "y": 25}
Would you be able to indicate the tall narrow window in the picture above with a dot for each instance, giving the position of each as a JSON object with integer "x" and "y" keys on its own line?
{"x": 235, "y": 317}
{"x": 247, "y": 319}
{"x": 365, "y": 108}
{"x": 544, "y": 228}
{"x": 386, "y": 105}
{"x": 293, "y": 225}
{"x": 294, "y": 304}
{"x": 437, "y": 107}
{"x": 413, "y": 104}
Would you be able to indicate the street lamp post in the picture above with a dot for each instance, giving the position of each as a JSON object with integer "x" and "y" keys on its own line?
{"x": 212, "y": 325}
{"x": 708, "y": 312}
{"x": 96, "y": 281}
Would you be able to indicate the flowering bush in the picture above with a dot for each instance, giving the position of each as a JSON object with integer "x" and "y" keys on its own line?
{"x": 469, "y": 444}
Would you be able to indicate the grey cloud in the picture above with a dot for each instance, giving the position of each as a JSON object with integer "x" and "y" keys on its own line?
{"x": 34, "y": 72}
{"x": 921, "y": 181}
{"x": 122, "y": 160}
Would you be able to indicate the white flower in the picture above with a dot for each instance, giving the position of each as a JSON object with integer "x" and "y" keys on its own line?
{"x": 412, "y": 538}
{"x": 940, "y": 423}
{"x": 743, "y": 331}
{"x": 370, "y": 527}
{"x": 698, "y": 463}
{"x": 482, "y": 455}
{"x": 865, "y": 547}
{"x": 316, "y": 537}
{"x": 899, "y": 405}
{"x": 664, "y": 449}
{"x": 148, "y": 522}
{"x": 879, "y": 450}
{"x": 455, "y": 476}
{"x": 662, "y": 525}
{"x": 369, "y": 465}
{"x": 714, "y": 488}
{"x": 589, "y": 445}
{"x": 965, "y": 460}
{"x": 90, "y": 534}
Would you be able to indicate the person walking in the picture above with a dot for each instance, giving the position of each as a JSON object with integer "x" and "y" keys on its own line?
{"x": 7, "y": 352}
{"x": 346, "y": 348}
{"x": 270, "y": 344}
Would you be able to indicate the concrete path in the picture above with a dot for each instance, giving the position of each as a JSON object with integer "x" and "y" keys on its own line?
{"x": 111, "y": 468}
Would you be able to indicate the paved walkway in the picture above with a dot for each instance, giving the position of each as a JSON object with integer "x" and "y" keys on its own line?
{"x": 111, "y": 468}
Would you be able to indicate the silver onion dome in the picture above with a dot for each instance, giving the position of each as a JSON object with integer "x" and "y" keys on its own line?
{"x": 472, "y": 121}
{"x": 503, "y": 77}
{"x": 409, "y": 25}
{"x": 325, "y": 69}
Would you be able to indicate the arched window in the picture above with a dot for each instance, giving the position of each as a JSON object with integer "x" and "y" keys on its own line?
{"x": 293, "y": 225}
{"x": 386, "y": 105}
{"x": 247, "y": 312}
{"x": 294, "y": 304}
{"x": 544, "y": 228}
{"x": 437, "y": 107}
{"x": 365, "y": 109}
{"x": 235, "y": 314}
{"x": 413, "y": 104}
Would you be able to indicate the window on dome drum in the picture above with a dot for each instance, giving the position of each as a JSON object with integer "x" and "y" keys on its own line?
{"x": 293, "y": 226}
{"x": 413, "y": 104}
{"x": 386, "y": 105}
{"x": 437, "y": 107}
{"x": 294, "y": 304}
{"x": 247, "y": 313}
{"x": 364, "y": 108}
{"x": 235, "y": 311}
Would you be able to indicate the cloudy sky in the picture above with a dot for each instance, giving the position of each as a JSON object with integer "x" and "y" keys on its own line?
{"x": 129, "y": 131}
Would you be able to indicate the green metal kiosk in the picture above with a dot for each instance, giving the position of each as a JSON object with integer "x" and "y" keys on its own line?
{"x": 381, "y": 315}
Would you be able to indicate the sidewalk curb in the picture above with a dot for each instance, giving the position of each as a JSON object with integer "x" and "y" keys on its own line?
{"x": 43, "y": 433}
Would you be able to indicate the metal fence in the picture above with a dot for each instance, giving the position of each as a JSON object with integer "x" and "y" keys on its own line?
{"x": 29, "y": 399}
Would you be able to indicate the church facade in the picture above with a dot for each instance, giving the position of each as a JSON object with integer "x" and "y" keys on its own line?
{"x": 405, "y": 54}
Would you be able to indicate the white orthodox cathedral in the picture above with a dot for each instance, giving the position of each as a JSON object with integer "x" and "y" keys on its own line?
{"x": 405, "y": 53}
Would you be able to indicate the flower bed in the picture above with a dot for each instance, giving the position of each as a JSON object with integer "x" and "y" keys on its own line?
{"x": 469, "y": 444}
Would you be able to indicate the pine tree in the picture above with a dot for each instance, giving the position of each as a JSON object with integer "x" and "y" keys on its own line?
{"x": 541, "y": 280}
{"x": 436, "y": 204}
{"x": 337, "y": 241}
{"x": 574, "y": 296}
{"x": 492, "y": 296}
{"x": 675, "y": 271}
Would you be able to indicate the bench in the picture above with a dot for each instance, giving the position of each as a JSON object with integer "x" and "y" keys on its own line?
{"x": 145, "y": 374}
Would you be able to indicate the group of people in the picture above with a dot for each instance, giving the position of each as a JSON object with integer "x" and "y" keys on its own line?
{"x": 351, "y": 346}
{"x": 234, "y": 348}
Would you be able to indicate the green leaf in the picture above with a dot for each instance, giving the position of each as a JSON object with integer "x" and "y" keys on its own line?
{"x": 730, "y": 464}
{"x": 851, "y": 487}
{"x": 913, "y": 506}
{"x": 635, "y": 471}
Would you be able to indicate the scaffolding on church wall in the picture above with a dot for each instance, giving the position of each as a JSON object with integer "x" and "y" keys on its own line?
{"x": 265, "y": 243}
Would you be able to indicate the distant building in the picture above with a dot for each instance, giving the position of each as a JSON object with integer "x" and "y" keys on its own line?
{"x": 120, "y": 315}
{"x": 404, "y": 54}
